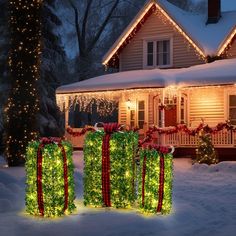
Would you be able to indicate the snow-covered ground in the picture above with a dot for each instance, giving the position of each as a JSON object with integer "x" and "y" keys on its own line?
{"x": 204, "y": 203}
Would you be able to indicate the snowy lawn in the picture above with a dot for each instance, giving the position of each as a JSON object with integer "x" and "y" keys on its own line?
{"x": 204, "y": 203}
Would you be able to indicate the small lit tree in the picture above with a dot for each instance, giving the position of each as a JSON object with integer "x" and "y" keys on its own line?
{"x": 205, "y": 152}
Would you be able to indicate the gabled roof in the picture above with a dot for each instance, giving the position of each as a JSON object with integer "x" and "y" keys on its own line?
{"x": 208, "y": 40}
{"x": 221, "y": 72}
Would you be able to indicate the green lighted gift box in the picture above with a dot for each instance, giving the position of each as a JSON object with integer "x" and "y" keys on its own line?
{"x": 155, "y": 180}
{"x": 109, "y": 167}
{"x": 49, "y": 178}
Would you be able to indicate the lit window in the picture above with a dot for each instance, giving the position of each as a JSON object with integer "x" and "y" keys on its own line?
{"x": 141, "y": 114}
{"x": 232, "y": 109}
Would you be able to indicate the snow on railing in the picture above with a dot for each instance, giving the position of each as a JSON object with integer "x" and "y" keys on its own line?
{"x": 223, "y": 138}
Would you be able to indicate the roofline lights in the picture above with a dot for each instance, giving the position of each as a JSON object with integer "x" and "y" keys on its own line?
{"x": 151, "y": 4}
{"x": 111, "y": 54}
{"x": 227, "y": 42}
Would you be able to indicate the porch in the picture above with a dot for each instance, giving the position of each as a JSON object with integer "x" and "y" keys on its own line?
{"x": 221, "y": 139}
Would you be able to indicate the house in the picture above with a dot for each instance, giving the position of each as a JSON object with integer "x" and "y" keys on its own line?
{"x": 165, "y": 76}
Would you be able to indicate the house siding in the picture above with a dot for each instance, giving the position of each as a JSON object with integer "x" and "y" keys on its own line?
{"x": 150, "y": 109}
{"x": 122, "y": 113}
{"x": 207, "y": 104}
{"x": 184, "y": 55}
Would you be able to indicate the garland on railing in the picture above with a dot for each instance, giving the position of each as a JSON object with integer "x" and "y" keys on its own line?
{"x": 79, "y": 133}
{"x": 192, "y": 132}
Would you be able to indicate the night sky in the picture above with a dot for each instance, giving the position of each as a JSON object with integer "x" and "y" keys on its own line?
{"x": 69, "y": 37}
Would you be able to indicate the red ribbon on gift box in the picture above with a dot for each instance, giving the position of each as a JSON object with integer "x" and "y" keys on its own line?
{"x": 109, "y": 128}
{"x": 161, "y": 179}
{"x": 44, "y": 141}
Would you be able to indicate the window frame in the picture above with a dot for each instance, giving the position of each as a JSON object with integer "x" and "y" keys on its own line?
{"x": 135, "y": 109}
{"x": 155, "y": 40}
{"x": 229, "y": 106}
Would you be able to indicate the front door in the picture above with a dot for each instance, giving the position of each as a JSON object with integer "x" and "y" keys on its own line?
{"x": 171, "y": 116}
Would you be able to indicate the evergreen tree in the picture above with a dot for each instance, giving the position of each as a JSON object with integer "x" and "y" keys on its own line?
{"x": 205, "y": 153}
{"x": 4, "y": 80}
{"x": 53, "y": 71}
{"x": 24, "y": 63}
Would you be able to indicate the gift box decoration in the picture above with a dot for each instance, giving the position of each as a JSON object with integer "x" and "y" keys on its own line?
{"x": 109, "y": 167}
{"x": 155, "y": 180}
{"x": 49, "y": 178}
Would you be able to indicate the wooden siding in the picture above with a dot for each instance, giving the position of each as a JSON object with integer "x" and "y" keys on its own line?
{"x": 122, "y": 113}
{"x": 232, "y": 51}
{"x": 206, "y": 103}
{"x": 184, "y": 54}
{"x": 150, "y": 110}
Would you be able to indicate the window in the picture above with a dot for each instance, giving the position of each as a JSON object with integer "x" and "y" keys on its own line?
{"x": 158, "y": 53}
{"x": 141, "y": 114}
{"x": 79, "y": 119}
{"x": 150, "y": 53}
{"x": 232, "y": 109}
{"x": 163, "y": 53}
{"x": 132, "y": 118}
{"x": 137, "y": 115}
{"x": 183, "y": 110}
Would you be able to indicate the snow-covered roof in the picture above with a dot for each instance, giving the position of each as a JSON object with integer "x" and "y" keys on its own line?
{"x": 215, "y": 73}
{"x": 207, "y": 39}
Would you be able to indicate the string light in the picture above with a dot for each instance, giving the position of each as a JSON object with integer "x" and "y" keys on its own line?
{"x": 106, "y": 101}
{"x": 227, "y": 44}
{"x": 112, "y": 56}
{"x": 24, "y": 63}
{"x": 149, "y": 182}
{"x": 52, "y": 179}
{"x": 122, "y": 149}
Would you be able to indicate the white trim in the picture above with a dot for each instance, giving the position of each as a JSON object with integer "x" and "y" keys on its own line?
{"x": 227, "y": 40}
{"x": 126, "y": 32}
{"x": 137, "y": 19}
{"x": 154, "y": 40}
{"x": 230, "y": 92}
{"x": 143, "y": 97}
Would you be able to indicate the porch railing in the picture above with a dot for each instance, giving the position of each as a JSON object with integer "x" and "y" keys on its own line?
{"x": 77, "y": 141}
{"x": 222, "y": 138}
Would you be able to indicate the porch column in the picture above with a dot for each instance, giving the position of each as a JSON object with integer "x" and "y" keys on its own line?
{"x": 163, "y": 118}
{"x": 66, "y": 112}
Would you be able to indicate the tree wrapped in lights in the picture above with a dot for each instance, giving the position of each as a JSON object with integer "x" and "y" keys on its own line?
{"x": 109, "y": 170}
{"x": 24, "y": 62}
{"x": 205, "y": 152}
{"x": 49, "y": 178}
{"x": 155, "y": 181}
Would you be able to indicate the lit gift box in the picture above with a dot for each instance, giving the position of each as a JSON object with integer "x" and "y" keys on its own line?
{"x": 155, "y": 179}
{"x": 49, "y": 178}
{"x": 109, "y": 167}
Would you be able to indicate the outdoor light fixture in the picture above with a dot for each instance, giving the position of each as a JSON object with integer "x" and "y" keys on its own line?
{"x": 128, "y": 103}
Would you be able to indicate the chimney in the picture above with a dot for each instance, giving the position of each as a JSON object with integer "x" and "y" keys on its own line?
{"x": 214, "y": 11}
